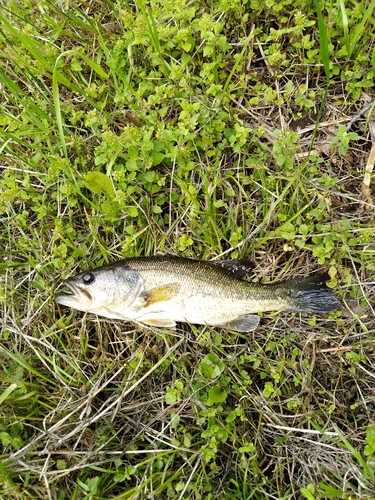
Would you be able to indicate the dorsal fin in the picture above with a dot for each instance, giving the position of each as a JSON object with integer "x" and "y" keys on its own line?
{"x": 239, "y": 267}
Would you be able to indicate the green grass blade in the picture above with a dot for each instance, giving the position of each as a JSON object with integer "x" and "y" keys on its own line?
{"x": 20, "y": 360}
{"x": 344, "y": 18}
{"x": 153, "y": 30}
{"x": 8, "y": 391}
{"x": 323, "y": 40}
{"x": 56, "y": 100}
{"x": 94, "y": 66}
{"x": 360, "y": 29}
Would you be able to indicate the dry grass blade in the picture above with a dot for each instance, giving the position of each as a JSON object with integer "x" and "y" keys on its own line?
{"x": 366, "y": 189}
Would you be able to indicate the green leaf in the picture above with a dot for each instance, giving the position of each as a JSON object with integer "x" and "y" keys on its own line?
{"x": 370, "y": 439}
{"x": 330, "y": 491}
{"x": 75, "y": 66}
{"x": 60, "y": 464}
{"x": 132, "y": 211}
{"x": 217, "y": 394}
{"x": 175, "y": 420}
{"x": 149, "y": 176}
{"x": 157, "y": 158}
{"x": 17, "y": 443}
{"x": 170, "y": 398}
{"x": 109, "y": 207}
{"x": 5, "y": 438}
{"x": 218, "y": 203}
{"x": 97, "y": 182}
{"x": 211, "y": 366}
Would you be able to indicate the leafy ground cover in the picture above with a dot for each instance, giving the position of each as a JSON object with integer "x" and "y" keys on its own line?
{"x": 212, "y": 130}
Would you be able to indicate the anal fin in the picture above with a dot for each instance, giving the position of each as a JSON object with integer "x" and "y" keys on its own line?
{"x": 243, "y": 324}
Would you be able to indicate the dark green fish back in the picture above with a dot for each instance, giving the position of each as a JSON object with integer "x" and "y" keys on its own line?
{"x": 194, "y": 274}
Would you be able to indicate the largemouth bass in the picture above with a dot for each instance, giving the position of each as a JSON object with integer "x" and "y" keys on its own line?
{"x": 161, "y": 291}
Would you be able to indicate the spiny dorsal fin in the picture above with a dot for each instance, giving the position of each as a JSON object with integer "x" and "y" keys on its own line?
{"x": 239, "y": 267}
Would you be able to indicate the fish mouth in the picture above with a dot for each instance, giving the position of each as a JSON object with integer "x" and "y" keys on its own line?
{"x": 76, "y": 297}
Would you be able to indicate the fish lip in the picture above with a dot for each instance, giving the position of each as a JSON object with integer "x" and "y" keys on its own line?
{"x": 76, "y": 293}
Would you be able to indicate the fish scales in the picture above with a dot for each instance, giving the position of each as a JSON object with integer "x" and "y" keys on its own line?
{"x": 208, "y": 291}
{"x": 161, "y": 291}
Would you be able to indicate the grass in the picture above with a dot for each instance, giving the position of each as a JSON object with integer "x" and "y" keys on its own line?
{"x": 208, "y": 130}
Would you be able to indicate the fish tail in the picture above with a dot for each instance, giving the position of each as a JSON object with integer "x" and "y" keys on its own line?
{"x": 312, "y": 295}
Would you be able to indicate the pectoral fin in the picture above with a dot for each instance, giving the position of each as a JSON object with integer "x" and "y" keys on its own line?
{"x": 243, "y": 324}
{"x": 161, "y": 293}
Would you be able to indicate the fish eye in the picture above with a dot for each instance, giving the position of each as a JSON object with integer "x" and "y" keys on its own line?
{"x": 88, "y": 278}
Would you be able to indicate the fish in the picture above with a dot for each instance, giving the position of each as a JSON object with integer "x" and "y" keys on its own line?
{"x": 161, "y": 291}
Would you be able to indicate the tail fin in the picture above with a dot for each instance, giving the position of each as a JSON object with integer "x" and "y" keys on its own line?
{"x": 312, "y": 295}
